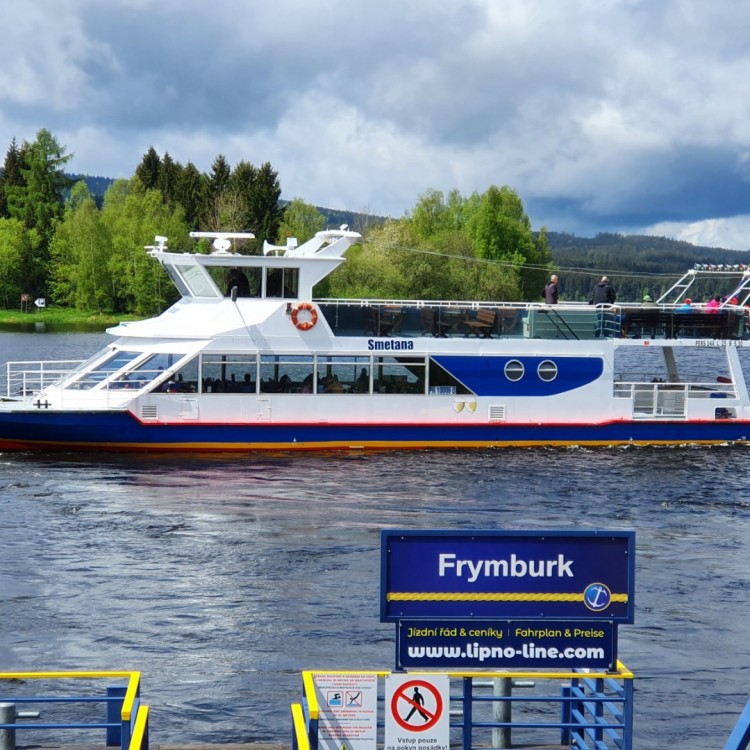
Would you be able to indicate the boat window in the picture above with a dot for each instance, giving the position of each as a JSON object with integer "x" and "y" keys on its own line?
{"x": 247, "y": 280}
{"x": 184, "y": 380}
{"x": 282, "y": 282}
{"x": 343, "y": 374}
{"x": 442, "y": 383}
{"x": 182, "y": 287}
{"x": 146, "y": 371}
{"x": 192, "y": 280}
{"x": 229, "y": 373}
{"x": 547, "y": 370}
{"x": 399, "y": 375}
{"x": 287, "y": 373}
{"x": 92, "y": 377}
{"x": 514, "y": 370}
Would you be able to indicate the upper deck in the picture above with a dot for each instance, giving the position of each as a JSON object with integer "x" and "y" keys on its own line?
{"x": 530, "y": 321}
{"x": 284, "y": 276}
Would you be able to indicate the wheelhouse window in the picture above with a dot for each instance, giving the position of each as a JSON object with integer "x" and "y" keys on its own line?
{"x": 282, "y": 282}
{"x": 192, "y": 280}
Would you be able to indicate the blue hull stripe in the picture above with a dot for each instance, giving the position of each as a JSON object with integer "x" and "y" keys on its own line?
{"x": 485, "y": 376}
{"x": 119, "y": 430}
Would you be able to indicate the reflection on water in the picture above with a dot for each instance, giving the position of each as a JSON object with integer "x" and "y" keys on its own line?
{"x": 221, "y": 577}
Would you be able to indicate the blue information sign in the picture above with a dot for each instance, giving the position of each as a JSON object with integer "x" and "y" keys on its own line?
{"x": 499, "y": 644}
{"x": 511, "y": 575}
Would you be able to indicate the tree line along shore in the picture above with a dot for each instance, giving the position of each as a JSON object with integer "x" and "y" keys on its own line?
{"x": 83, "y": 253}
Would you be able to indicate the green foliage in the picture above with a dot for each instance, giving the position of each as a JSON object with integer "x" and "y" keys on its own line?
{"x": 300, "y": 220}
{"x": 40, "y": 200}
{"x": 133, "y": 217}
{"x": 79, "y": 255}
{"x": 18, "y": 246}
{"x": 480, "y": 247}
{"x": 389, "y": 265}
{"x": 12, "y": 177}
{"x": 148, "y": 170}
{"x": 192, "y": 194}
{"x": 264, "y": 210}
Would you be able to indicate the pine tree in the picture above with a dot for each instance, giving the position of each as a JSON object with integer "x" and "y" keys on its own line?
{"x": 192, "y": 192}
{"x": 170, "y": 174}
{"x": 39, "y": 202}
{"x": 264, "y": 209}
{"x": 12, "y": 176}
{"x": 148, "y": 170}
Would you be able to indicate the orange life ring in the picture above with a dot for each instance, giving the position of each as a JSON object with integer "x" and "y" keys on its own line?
{"x": 304, "y": 316}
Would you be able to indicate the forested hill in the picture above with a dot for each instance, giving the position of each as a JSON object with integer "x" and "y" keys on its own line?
{"x": 634, "y": 263}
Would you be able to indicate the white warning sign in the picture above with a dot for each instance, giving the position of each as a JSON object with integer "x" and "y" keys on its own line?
{"x": 348, "y": 705}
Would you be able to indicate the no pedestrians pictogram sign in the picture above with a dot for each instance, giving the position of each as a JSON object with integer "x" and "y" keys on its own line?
{"x": 417, "y": 709}
{"x": 417, "y": 705}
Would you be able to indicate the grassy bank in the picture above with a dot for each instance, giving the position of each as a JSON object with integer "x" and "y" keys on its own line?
{"x": 60, "y": 319}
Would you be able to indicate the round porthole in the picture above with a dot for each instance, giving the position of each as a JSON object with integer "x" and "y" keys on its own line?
{"x": 514, "y": 370}
{"x": 547, "y": 370}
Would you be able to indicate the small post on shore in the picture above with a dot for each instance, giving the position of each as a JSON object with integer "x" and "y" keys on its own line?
{"x": 501, "y": 711}
{"x": 7, "y": 736}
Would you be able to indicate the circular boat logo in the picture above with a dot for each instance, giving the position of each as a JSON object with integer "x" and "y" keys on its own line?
{"x": 597, "y": 597}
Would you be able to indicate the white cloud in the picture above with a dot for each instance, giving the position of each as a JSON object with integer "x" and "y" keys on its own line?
{"x": 731, "y": 234}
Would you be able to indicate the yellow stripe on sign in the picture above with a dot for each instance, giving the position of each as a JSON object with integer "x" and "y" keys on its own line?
{"x": 506, "y": 597}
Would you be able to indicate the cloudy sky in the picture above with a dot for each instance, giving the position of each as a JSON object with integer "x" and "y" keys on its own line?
{"x": 604, "y": 115}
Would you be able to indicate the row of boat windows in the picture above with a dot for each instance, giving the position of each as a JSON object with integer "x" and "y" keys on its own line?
{"x": 266, "y": 373}
{"x": 197, "y": 281}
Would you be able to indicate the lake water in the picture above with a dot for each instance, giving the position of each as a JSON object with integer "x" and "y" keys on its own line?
{"x": 221, "y": 577}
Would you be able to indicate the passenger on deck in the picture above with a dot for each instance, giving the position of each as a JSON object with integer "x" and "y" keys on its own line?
{"x": 713, "y": 305}
{"x": 603, "y": 293}
{"x": 686, "y": 307}
{"x": 648, "y": 301}
{"x": 550, "y": 292}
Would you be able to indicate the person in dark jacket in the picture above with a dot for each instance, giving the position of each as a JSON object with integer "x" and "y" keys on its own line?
{"x": 550, "y": 291}
{"x": 603, "y": 294}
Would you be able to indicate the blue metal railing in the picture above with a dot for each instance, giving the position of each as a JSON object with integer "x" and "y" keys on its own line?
{"x": 125, "y": 718}
{"x": 591, "y": 711}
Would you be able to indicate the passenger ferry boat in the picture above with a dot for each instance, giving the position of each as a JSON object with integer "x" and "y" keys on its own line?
{"x": 247, "y": 360}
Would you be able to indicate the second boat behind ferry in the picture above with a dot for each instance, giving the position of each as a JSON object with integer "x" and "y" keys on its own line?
{"x": 248, "y": 361}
